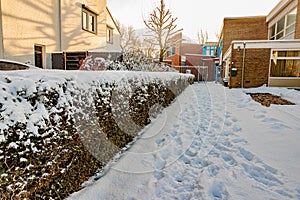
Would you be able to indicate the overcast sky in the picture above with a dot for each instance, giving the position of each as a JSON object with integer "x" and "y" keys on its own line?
{"x": 193, "y": 15}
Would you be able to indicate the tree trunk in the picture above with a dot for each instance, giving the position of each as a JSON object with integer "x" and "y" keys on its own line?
{"x": 161, "y": 55}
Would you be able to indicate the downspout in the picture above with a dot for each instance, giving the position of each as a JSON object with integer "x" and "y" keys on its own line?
{"x": 59, "y": 26}
{"x": 60, "y": 40}
{"x": 1, "y": 33}
{"x": 243, "y": 65}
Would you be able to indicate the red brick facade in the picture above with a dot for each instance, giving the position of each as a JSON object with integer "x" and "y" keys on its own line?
{"x": 256, "y": 67}
{"x": 193, "y": 55}
{"x": 243, "y": 28}
{"x": 256, "y": 62}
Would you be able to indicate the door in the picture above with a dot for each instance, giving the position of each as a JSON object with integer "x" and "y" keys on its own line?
{"x": 39, "y": 55}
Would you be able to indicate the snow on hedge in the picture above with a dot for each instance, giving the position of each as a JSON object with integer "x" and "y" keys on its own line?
{"x": 52, "y": 124}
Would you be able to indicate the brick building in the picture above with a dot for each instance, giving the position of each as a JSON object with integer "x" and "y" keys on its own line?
{"x": 243, "y": 28}
{"x": 262, "y": 50}
{"x": 188, "y": 57}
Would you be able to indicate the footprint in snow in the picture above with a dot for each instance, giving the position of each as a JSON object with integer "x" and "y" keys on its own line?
{"x": 284, "y": 193}
{"x": 185, "y": 160}
{"x": 227, "y": 123}
{"x": 159, "y": 164}
{"x": 174, "y": 133}
{"x": 270, "y": 120}
{"x": 227, "y": 114}
{"x": 246, "y": 154}
{"x": 190, "y": 153}
{"x": 261, "y": 175}
{"x": 158, "y": 175}
{"x": 279, "y": 126}
{"x": 236, "y": 129}
{"x": 160, "y": 141}
{"x": 226, "y": 133}
{"x": 221, "y": 147}
{"x": 229, "y": 160}
{"x": 219, "y": 191}
{"x": 239, "y": 140}
{"x": 234, "y": 119}
{"x": 165, "y": 154}
{"x": 213, "y": 170}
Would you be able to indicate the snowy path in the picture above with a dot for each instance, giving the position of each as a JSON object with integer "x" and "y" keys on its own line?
{"x": 211, "y": 143}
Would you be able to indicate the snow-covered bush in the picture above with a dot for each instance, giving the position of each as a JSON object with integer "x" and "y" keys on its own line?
{"x": 132, "y": 61}
{"x": 57, "y": 129}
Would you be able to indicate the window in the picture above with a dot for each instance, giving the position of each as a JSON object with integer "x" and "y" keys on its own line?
{"x": 210, "y": 50}
{"x": 89, "y": 20}
{"x": 110, "y": 34}
{"x": 284, "y": 27}
{"x": 171, "y": 51}
{"x": 285, "y": 63}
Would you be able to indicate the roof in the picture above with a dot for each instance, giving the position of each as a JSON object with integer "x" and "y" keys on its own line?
{"x": 118, "y": 28}
{"x": 244, "y": 17}
{"x": 278, "y": 8}
{"x": 266, "y": 44}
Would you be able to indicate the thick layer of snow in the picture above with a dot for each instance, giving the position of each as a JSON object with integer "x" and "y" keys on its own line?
{"x": 14, "y": 84}
{"x": 211, "y": 143}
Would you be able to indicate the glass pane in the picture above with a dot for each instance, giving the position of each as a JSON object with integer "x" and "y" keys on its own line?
{"x": 297, "y": 66}
{"x": 277, "y": 68}
{"x": 289, "y": 64}
{"x": 272, "y": 31}
{"x": 290, "y": 29}
{"x": 280, "y": 25}
{"x": 285, "y": 68}
{"x": 279, "y": 35}
{"x": 91, "y": 23}
{"x": 84, "y": 20}
{"x": 281, "y": 53}
{"x": 288, "y": 54}
{"x": 291, "y": 18}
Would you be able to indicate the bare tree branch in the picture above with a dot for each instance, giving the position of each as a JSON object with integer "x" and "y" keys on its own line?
{"x": 162, "y": 27}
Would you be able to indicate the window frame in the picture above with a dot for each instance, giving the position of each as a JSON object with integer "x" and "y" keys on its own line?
{"x": 39, "y": 52}
{"x": 274, "y": 34}
{"x": 109, "y": 34}
{"x": 286, "y": 59}
{"x": 85, "y": 21}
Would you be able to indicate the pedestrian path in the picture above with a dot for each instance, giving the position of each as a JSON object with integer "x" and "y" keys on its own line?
{"x": 194, "y": 149}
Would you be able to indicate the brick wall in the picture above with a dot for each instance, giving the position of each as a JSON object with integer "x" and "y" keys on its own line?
{"x": 297, "y": 33}
{"x": 187, "y": 48}
{"x": 256, "y": 67}
{"x": 243, "y": 28}
{"x": 175, "y": 60}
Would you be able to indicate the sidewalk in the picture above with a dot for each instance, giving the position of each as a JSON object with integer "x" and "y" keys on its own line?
{"x": 211, "y": 143}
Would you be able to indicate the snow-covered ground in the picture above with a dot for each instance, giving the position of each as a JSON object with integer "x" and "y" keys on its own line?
{"x": 211, "y": 143}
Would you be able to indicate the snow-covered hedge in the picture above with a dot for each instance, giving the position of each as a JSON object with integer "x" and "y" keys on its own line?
{"x": 131, "y": 61}
{"x": 58, "y": 128}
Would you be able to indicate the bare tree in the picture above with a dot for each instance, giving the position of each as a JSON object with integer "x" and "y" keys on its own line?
{"x": 202, "y": 37}
{"x": 129, "y": 39}
{"x": 218, "y": 33}
{"x": 162, "y": 27}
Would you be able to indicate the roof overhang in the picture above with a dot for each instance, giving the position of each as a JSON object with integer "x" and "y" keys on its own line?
{"x": 279, "y": 8}
{"x": 266, "y": 44}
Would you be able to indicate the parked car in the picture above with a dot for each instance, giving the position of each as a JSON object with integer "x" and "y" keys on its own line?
{"x": 14, "y": 65}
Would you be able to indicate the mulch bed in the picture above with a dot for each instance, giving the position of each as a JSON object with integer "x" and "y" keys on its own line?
{"x": 267, "y": 99}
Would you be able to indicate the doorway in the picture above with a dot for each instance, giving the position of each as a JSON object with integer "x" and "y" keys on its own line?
{"x": 39, "y": 55}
